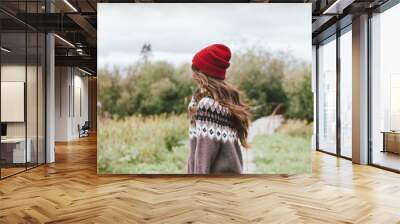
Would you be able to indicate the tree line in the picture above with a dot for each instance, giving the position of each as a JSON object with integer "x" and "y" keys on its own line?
{"x": 270, "y": 82}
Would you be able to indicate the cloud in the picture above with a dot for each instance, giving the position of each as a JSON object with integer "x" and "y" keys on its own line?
{"x": 176, "y": 31}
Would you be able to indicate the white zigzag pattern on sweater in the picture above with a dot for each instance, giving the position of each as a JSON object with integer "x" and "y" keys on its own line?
{"x": 214, "y": 106}
{"x": 217, "y": 133}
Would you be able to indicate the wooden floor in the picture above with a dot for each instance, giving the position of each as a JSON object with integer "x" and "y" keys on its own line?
{"x": 70, "y": 191}
{"x": 5, "y": 172}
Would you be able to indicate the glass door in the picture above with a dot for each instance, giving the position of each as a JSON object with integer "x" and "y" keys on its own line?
{"x": 14, "y": 153}
{"x": 22, "y": 98}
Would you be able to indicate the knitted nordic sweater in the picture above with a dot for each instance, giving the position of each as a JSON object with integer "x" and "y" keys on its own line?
{"x": 214, "y": 145}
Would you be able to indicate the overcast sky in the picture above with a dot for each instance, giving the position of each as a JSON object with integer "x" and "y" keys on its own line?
{"x": 176, "y": 31}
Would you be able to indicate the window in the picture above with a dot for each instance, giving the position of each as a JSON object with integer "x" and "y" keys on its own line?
{"x": 327, "y": 96}
{"x": 385, "y": 89}
{"x": 346, "y": 94}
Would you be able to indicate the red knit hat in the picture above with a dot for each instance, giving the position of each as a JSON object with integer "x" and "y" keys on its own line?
{"x": 213, "y": 60}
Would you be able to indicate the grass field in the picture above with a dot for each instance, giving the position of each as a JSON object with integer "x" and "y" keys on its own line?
{"x": 159, "y": 144}
{"x": 156, "y": 144}
{"x": 286, "y": 151}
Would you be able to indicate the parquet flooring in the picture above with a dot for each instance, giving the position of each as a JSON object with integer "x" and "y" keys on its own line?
{"x": 70, "y": 191}
{"x": 10, "y": 171}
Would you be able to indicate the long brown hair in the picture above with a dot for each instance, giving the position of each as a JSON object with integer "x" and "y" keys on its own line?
{"x": 228, "y": 96}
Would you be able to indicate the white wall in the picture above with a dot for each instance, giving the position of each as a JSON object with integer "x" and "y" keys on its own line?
{"x": 62, "y": 82}
{"x": 14, "y": 72}
{"x": 80, "y": 84}
{"x": 33, "y": 126}
{"x": 70, "y": 83}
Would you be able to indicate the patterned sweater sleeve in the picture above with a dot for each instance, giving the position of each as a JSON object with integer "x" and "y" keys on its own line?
{"x": 206, "y": 136}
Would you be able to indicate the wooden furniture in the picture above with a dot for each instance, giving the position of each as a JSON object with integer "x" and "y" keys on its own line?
{"x": 13, "y": 150}
{"x": 391, "y": 141}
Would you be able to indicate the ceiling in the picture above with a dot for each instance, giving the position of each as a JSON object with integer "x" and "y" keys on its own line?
{"x": 75, "y": 21}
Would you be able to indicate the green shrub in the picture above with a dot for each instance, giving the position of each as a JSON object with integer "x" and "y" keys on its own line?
{"x": 172, "y": 138}
{"x": 260, "y": 76}
{"x": 300, "y": 103}
{"x": 147, "y": 89}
